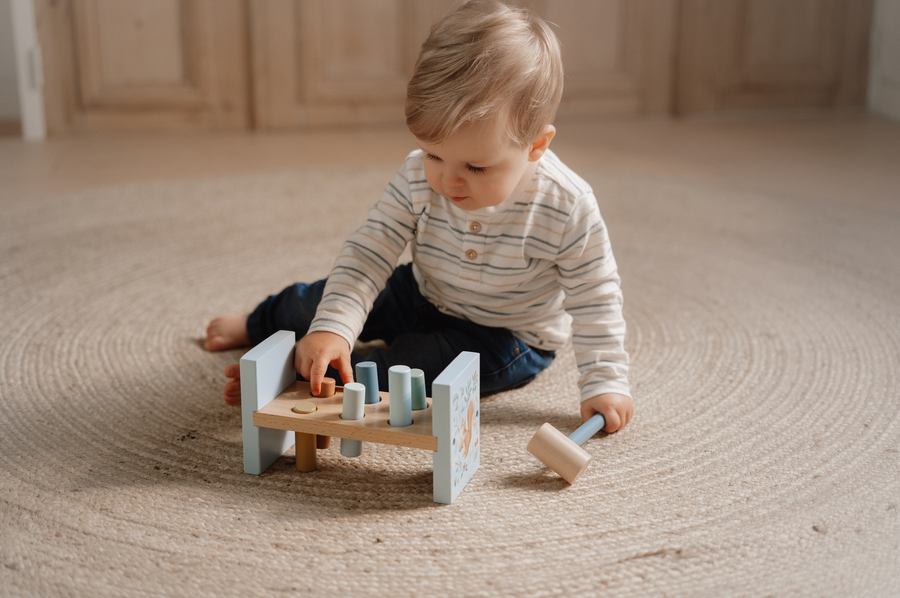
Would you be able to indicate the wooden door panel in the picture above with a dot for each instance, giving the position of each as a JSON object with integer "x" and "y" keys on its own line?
{"x": 748, "y": 54}
{"x": 142, "y": 54}
{"x": 597, "y": 58}
{"x": 319, "y": 62}
{"x": 617, "y": 54}
{"x": 145, "y": 64}
{"x": 353, "y": 49}
{"x": 270, "y": 64}
{"x": 347, "y": 61}
{"x": 787, "y": 36}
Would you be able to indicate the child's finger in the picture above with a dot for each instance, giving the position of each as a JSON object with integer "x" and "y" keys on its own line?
{"x": 317, "y": 371}
{"x": 587, "y": 412}
{"x": 233, "y": 392}
{"x": 613, "y": 420}
{"x": 303, "y": 367}
{"x": 345, "y": 369}
{"x": 233, "y": 371}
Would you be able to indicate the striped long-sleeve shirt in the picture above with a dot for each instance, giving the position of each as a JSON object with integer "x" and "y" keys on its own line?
{"x": 540, "y": 264}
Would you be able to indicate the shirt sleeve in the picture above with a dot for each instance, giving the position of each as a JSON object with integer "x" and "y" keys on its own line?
{"x": 368, "y": 257}
{"x": 589, "y": 277}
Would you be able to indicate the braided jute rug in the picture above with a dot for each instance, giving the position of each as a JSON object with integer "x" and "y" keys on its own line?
{"x": 764, "y": 457}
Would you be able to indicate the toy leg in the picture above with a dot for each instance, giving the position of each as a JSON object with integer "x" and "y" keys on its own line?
{"x": 306, "y": 452}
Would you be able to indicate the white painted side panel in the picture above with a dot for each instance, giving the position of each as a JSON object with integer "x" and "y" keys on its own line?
{"x": 884, "y": 60}
{"x": 29, "y": 70}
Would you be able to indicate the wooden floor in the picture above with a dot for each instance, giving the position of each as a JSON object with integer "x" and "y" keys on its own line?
{"x": 817, "y": 156}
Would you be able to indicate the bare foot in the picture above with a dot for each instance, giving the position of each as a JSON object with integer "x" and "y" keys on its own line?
{"x": 233, "y": 387}
{"x": 227, "y": 332}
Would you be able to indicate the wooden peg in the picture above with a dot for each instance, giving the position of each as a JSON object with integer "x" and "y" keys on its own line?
{"x": 327, "y": 390}
{"x": 367, "y": 375}
{"x": 306, "y": 451}
{"x": 304, "y": 407}
{"x": 417, "y": 387}
{"x": 400, "y": 395}
{"x": 353, "y": 409}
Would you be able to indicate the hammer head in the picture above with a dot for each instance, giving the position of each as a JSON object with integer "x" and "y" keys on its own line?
{"x": 556, "y": 451}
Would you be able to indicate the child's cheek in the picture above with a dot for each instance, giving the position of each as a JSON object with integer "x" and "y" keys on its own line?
{"x": 433, "y": 181}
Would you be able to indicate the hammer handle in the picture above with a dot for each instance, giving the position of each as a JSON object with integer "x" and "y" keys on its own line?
{"x": 587, "y": 429}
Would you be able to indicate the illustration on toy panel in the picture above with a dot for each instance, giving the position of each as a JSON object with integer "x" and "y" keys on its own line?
{"x": 466, "y": 438}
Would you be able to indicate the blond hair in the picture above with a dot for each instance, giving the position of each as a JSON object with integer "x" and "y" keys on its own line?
{"x": 483, "y": 60}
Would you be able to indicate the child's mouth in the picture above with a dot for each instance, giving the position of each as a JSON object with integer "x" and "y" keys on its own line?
{"x": 457, "y": 199}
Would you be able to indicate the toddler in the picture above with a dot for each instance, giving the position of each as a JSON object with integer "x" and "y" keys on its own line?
{"x": 510, "y": 254}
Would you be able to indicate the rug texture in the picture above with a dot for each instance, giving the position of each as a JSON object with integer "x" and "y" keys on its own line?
{"x": 763, "y": 459}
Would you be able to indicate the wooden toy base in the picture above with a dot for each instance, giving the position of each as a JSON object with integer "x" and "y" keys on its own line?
{"x": 449, "y": 426}
{"x": 326, "y": 421}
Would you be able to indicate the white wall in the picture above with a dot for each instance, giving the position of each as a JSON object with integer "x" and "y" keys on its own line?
{"x": 9, "y": 95}
{"x": 884, "y": 60}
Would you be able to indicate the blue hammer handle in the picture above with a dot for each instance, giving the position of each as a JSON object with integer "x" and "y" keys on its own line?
{"x": 587, "y": 429}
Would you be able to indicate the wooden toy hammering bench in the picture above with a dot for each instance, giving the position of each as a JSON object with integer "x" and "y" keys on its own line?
{"x": 278, "y": 411}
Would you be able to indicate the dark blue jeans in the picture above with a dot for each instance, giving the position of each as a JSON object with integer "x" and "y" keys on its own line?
{"x": 419, "y": 335}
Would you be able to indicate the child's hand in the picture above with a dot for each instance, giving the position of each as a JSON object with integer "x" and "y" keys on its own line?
{"x": 616, "y": 408}
{"x": 318, "y": 350}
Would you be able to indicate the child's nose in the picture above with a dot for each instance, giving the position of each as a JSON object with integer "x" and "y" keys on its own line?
{"x": 452, "y": 179}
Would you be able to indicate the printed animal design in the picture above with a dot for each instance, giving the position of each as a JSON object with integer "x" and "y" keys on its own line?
{"x": 466, "y": 429}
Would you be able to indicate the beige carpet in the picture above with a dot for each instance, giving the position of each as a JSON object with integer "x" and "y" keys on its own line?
{"x": 764, "y": 457}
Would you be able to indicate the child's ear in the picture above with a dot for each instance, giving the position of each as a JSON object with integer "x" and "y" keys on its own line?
{"x": 540, "y": 145}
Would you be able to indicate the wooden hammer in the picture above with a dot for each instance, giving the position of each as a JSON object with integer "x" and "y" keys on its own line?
{"x": 565, "y": 455}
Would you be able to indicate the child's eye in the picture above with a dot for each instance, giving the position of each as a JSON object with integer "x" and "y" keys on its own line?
{"x": 475, "y": 169}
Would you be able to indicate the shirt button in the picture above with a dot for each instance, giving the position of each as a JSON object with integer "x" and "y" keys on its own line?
{"x": 471, "y": 254}
{"x": 475, "y": 227}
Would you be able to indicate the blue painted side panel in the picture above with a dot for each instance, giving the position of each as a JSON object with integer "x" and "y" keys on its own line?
{"x": 266, "y": 370}
{"x": 456, "y": 422}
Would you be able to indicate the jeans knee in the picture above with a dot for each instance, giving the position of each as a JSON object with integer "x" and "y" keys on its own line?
{"x": 522, "y": 366}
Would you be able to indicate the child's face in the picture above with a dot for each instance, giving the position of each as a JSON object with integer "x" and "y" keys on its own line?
{"x": 478, "y": 166}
